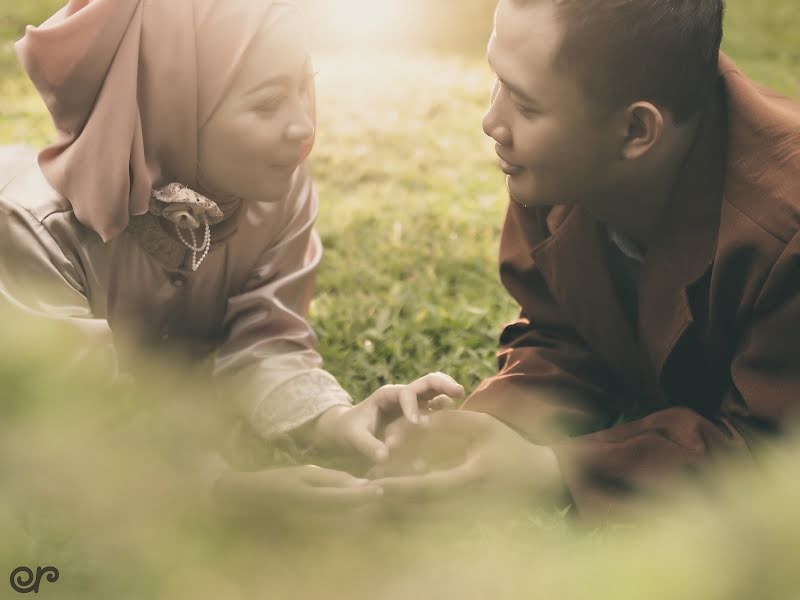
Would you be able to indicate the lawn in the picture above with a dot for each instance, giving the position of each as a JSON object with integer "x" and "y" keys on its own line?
{"x": 412, "y": 206}
{"x": 412, "y": 202}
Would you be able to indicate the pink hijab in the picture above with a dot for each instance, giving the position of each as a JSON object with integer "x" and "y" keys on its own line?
{"x": 129, "y": 83}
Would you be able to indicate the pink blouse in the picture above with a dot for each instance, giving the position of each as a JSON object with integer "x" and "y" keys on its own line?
{"x": 246, "y": 303}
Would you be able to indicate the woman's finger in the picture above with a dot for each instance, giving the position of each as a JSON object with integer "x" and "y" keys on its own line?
{"x": 407, "y": 399}
{"x": 434, "y": 384}
{"x": 364, "y": 442}
{"x": 442, "y": 402}
{"x": 389, "y": 397}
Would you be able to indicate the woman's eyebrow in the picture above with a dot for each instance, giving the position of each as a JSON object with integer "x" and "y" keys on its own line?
{"x": 278, "y": 80}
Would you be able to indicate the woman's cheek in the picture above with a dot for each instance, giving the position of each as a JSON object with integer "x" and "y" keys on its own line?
{"x": 260, "y": 140}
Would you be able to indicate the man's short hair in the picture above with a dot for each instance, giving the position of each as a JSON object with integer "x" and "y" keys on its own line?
{"x": 661, "y": 51}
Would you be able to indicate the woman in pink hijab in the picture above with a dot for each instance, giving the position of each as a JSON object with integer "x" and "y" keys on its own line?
{"x": 177, "y": 209}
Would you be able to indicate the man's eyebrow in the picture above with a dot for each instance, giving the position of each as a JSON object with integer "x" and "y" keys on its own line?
{"x": 280, "y": 80}
{"x": 515, "y": 89}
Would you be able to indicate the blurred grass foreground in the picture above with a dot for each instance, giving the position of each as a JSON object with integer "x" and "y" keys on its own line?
{"x": 105, "y": 483}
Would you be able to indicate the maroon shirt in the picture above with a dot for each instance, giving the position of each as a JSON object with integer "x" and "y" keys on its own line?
{"x": 710, "y": 363}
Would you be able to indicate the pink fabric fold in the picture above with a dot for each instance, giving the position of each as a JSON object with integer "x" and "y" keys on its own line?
{"x": 129, "y": 83}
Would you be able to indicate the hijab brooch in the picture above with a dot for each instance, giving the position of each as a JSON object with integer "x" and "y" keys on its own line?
{"x": 188, "y": 211}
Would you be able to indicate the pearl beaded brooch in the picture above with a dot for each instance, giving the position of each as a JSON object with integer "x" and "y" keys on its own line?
{"x": 194, "y": 247}
{"x": 187, "y": 210}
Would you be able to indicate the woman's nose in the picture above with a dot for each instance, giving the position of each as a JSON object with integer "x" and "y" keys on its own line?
{"x": 301, "y": 127}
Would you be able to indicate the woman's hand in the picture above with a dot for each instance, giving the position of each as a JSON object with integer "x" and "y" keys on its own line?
{"x": 357, "y": 427}
{"x": 285, "y": 489}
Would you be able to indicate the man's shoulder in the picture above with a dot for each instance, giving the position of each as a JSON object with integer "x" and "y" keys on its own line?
{"x": 766, "y": 217}
{"x": 763, "y": 162}
{"x": 23, "y": 186}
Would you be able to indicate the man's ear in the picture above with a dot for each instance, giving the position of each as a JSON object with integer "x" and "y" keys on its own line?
{"x": 644, "y": 126}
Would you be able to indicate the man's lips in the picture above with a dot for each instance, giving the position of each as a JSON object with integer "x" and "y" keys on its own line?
{"x": 507, "y": 167}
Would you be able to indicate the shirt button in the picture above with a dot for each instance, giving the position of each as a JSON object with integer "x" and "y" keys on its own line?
{"x": 178, "y": 281}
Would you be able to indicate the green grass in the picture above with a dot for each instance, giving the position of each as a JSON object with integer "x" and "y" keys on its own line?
{"x": 412, "y": 204}
{"x": 412, "y": 207}
{"x": 411, "y": 215}
{"x": 101, "y": 485}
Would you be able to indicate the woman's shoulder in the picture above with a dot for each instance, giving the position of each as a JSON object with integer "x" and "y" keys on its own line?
{"x": 23, "y": 186}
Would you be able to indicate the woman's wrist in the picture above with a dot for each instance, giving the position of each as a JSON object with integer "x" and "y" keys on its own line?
{"x": 323, "y": 430}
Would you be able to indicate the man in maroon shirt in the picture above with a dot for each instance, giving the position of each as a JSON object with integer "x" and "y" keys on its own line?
{"x": 652, "y": 244}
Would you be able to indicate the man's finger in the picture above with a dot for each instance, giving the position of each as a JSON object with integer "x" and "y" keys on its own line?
{"x": 343, "y": 496}
{"x": 400, "y": 431}
{"x": 435, "y": 484}
{"x": 319, "y": 477}
{"x": 464, "y": 421}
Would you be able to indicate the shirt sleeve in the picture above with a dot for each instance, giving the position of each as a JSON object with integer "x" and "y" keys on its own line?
{"x": 550, "y": 384}
{"x": 39, "y": 280}
{"x": 269, "y": 359}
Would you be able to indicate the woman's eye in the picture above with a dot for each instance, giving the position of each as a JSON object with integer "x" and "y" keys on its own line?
{"x": 525, "y": 111}
{"x": 270, "y": 105}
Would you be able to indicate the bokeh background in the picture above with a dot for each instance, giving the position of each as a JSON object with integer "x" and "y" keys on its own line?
{"x": 96, "y": 481}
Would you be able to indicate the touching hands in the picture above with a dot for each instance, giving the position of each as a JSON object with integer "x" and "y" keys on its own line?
{"x": 358, "y": 427}
{"x": 460, "y": 451}
{"x": 433, "y": 453}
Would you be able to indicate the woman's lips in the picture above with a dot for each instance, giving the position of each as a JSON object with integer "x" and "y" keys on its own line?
{"x": 286, "y": 169}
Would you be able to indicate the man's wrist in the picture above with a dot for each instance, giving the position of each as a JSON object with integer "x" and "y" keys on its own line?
{"x": 547, "y": 481}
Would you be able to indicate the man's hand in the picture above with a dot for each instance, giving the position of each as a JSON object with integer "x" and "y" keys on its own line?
{"x": 467, "y": 450}
{"x": 285, "y": 489}
{"x": 357, "y": 427}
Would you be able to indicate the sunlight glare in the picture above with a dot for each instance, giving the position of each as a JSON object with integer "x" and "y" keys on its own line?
{"x": 356, "y": 21}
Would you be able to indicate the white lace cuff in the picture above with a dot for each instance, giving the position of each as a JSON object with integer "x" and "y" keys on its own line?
{"x": 297, "y": 401}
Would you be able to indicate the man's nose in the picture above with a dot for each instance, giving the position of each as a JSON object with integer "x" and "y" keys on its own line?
{"x": 495, "y": 129}
{"x": 493, "y": 125}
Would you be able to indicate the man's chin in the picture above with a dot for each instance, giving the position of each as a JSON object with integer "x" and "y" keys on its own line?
{"x": 525, "y": 201}
{"x": 522, "y": 197}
